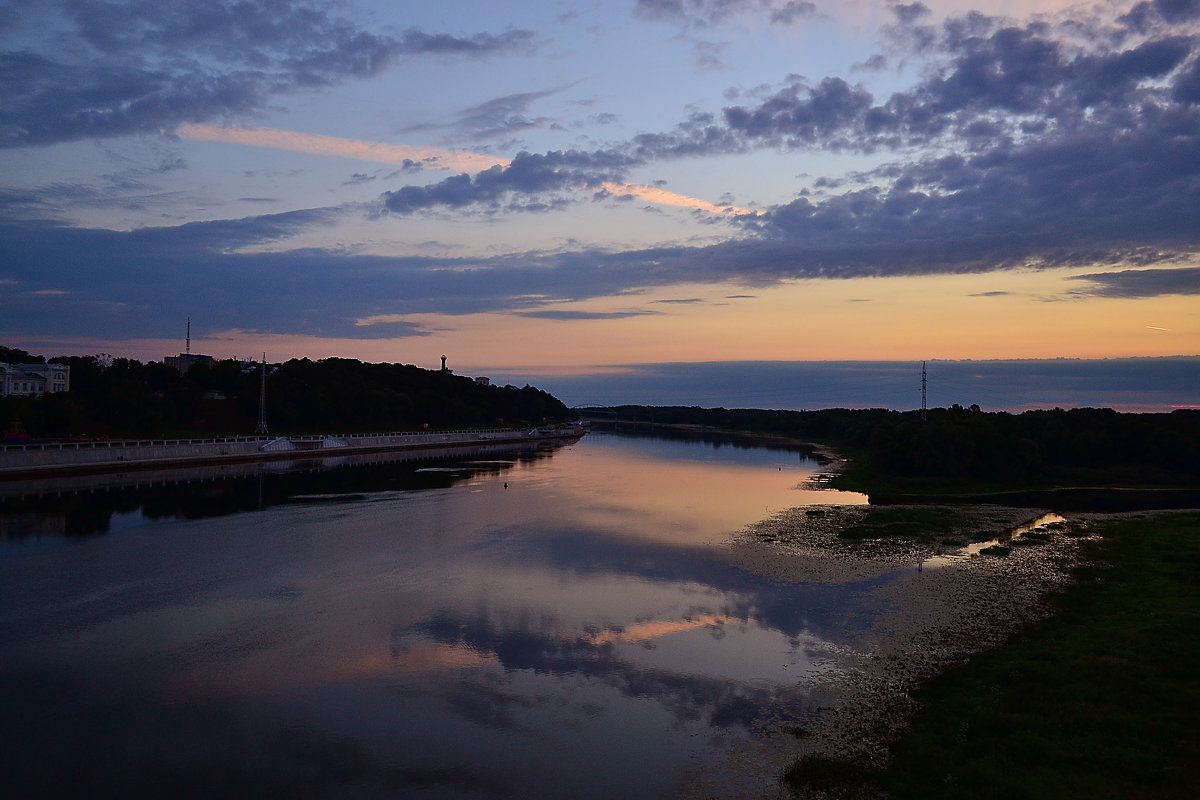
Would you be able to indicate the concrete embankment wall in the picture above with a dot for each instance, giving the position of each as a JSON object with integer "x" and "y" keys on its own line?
{"x": 89, "y": 456}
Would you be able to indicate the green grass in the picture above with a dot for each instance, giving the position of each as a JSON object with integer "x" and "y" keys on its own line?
{"x": 1102, "y": 700}
{"x": 832, "y": 776}
{"x": 919, "y": 523}
{"x": 952, "y": 525}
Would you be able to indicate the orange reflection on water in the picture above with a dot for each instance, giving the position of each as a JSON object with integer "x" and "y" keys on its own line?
{"x": 436, "y": 657}
{"x": 652, "y": 630}
{"x": 693, "y": 501}
{"x": 279, "y": 669}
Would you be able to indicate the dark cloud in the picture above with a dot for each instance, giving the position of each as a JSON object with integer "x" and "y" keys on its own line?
{"x": 139, "y": 283}
{"x": 144, "y": 66}
{"x": 792, "y": 12}
{"x": 992, "y": 84}
{"x": 910, "y": 13}
{"x": 1065, "y": 155}
{"x": 1142, "y": 282}
{"x": 528, "y": 174}
{"x": 707, "y": 13}
{"x": 480, "y": 45}
{"x": 1145, "y": 16}
{"x": 498, "y": 117}
{"x": 801, "y": 115}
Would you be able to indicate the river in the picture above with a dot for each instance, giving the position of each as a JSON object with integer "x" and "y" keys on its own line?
{"x": 548, "y": 622}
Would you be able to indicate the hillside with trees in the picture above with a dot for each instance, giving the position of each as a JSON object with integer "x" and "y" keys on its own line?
{"x": 133, "y": 399}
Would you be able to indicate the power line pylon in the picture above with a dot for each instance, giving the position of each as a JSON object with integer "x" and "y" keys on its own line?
{"x": 924, "y": 411}
{"x": 261, "y": 429}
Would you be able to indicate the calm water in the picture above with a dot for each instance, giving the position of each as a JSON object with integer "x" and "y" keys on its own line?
{"x": 545, "y": 623}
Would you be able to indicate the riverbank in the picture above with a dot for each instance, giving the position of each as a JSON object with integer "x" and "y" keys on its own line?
{"x": 939, "y": 611}
{"x": 1099, "y": 700}
{"x": 80, "y": 458}
{"x": 936, "y": 610}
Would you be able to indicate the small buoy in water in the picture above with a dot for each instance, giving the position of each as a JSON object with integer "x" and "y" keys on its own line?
{"x": 506, "y": 484}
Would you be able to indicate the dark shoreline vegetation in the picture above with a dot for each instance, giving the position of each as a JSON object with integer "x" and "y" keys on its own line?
{"x": 963, "y": 454}
{"x": 333, "y": 395}
{"x": 1101, "y": 699}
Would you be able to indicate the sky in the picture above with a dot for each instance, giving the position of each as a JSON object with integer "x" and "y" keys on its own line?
{"x": 595, "y": 196}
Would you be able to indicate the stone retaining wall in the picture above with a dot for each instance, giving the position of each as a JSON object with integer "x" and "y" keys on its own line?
{"x": 78, "y": 456}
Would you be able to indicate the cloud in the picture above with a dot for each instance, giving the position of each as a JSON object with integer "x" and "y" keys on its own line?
{"x": 499, "y": 117}
{"x": 1147, "y": 15}
{"x": 527, "y": 174}
{"x": 395, "y": 324}
{"x": 709, "y": 13}
{"x": 564, "y": 314}
{"x": 544, "y": 174}
{"x": 93, "y": 69}
{"x": 1141, "y": 282}
{"x": 989, "y": 83}
{"x": 498, "y": 177}
{"x": 433, "y": 158}
{"x": 910, "y": 13}
{"x": 792, "y": 12}
{"x": 139, "y": 283}
{"x": 1020, "y": 145}
{"x": 707, "y": 55}
{"x": 479, "y": 45}
{"x": 653, "y": 194}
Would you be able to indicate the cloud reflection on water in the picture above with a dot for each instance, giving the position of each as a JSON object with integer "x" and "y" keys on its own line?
{"x": 567, "y": 612}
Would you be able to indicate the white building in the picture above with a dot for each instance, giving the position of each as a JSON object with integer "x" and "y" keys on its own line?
{"x": 33, "y": 380}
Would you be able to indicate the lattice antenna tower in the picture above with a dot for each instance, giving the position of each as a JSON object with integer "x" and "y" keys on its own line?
{"x": 261, "y": 429}
{"x": 188, "y": 341}
{"x": 924, "y": 381}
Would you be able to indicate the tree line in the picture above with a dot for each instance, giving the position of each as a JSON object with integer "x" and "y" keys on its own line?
{"x": 967, "y": 444}
{"x": 129, "y": 398}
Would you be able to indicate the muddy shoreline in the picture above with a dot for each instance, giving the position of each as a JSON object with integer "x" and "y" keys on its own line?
{"x": 931, "y": 617}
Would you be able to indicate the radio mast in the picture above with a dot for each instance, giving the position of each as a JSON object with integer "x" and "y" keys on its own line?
{"x": 261, "y": 430}
{"x": 923, "y": 383}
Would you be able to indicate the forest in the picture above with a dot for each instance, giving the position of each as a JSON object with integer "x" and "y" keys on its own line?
{"x": 970, "y": 448}
{"x": 128, "y": 398}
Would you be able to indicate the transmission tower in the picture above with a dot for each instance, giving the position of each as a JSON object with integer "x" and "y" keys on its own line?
{"x": 261, "y": 430}
{"x": 923, "y": 386}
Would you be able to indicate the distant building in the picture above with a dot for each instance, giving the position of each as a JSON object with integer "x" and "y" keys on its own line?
{"x": 33, "y": 380}
{"x": 482, "y": 381}
{"x": 185, "y": 361}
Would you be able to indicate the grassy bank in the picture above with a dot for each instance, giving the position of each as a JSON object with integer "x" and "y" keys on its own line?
{"x": 1100, "y": 700}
